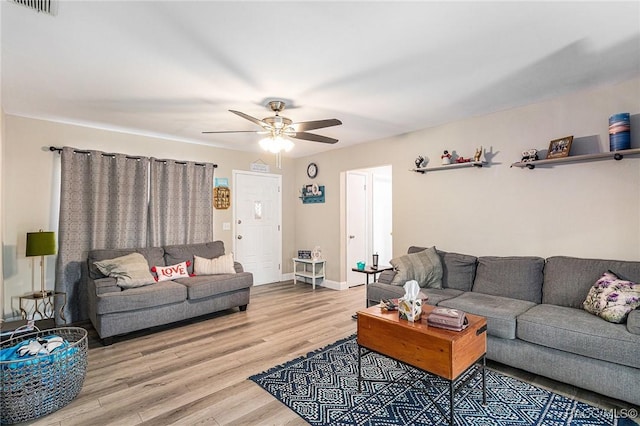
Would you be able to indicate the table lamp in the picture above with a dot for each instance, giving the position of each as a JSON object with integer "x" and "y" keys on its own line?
{"x": 41, "y": 244}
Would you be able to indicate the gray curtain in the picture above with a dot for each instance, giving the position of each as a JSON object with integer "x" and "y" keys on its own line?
{"x": 103, "y": 204}
{"x": 180, "y": 203}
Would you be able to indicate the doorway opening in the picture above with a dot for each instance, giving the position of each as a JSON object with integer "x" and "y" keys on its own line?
{"x": 368, "y": 219}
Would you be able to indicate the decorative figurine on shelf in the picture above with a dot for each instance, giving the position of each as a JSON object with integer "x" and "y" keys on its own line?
{"x": 420, "y": 162}
{"x": 446, "y": 158}
{"x": 478, "y": 154}
{"x": 463, "y": 160}
{"x": 529, "y": 156}
{"x": 316, "y": 253}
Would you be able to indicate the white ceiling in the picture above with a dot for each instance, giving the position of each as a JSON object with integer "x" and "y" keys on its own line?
{"x": 174, "y": 69}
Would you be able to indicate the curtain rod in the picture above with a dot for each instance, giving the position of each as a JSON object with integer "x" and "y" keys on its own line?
{"x": 79, "y": 151}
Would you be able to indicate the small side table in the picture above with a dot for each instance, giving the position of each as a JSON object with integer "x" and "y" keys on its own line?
{"x": 369, "y": 270}
{"x": 42, "y": 305}
{"x": 311, "y": 268}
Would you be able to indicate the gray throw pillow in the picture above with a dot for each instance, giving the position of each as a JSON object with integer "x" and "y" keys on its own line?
{"x": 424, "y": 266}
{"x": 129, "y": 271}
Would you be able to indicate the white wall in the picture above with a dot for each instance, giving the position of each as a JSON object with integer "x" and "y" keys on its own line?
{"x": 583, "y": 209}
{"x": 31, "y": 188}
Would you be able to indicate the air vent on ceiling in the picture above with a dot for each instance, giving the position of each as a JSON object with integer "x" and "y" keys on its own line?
{"x": 44, "y": 6}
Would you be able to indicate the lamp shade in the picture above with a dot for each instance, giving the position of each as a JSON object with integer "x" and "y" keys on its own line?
{"x": 41, "y": 243}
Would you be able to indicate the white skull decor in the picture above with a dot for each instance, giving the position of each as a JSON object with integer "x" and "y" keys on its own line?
{"x": 529, "y": 155}
{"x": 316, "y": 253}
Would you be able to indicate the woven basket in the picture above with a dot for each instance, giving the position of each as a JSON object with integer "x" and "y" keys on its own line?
{"x": 39, "y": 385}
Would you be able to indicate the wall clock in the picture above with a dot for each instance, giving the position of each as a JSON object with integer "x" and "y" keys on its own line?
{"x": 312, "y": 170}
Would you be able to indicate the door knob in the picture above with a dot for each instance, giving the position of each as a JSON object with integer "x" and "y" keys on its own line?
{"x": 351, "y": 237}
{"x": 239, "y": 237}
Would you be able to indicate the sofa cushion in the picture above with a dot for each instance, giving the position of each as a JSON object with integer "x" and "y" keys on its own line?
{"x": 517, "y": 277}
{"x": 458, "y": 270}
{"x": 576, "y": 331}
{"x": 159, "y": 294}
{"x": 154, "y": 256}
{"x": 378, "y": 291}
{"x": 218, "y": 265}
{"x": 183, "y": 252}
{"x": 131, "y": 270}
{"x": 567, "y": 280}
{"x": 423, "y": 266}
{"x": 633, "y": 322}
{"x": 437, "y": 295}
{"x": 201, "y": 286}
{"x": 500, "y": 312}
{"x": 612, "y": 299}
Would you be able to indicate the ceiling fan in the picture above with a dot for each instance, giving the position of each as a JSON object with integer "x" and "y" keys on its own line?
{"x": 279, "y": 127}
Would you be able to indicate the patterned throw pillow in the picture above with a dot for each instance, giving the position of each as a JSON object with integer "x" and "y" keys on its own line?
{"x": 166, "y": 273}
{"x": 218, "y": 265}
{"x": 129, "y": 271}
{"x": 424, "y": 266}
{"x": 612, "y": 298}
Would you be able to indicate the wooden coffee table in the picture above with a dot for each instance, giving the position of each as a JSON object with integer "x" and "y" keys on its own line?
{"x": 447, "y": 354}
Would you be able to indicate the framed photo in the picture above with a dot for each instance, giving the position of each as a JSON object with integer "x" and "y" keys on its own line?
{"x": 560, "y": 147}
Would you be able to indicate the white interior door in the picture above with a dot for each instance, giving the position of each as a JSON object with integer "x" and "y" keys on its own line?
{"x": 257, "y": 211}
{"x": 357, "y": 224}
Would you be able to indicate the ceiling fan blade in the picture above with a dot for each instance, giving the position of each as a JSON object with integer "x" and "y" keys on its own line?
{"x": 303, "y": 126}
{"x": 235, "y": 131}
{"x": 252, "y": 119}
{"x": 314, "y": 138}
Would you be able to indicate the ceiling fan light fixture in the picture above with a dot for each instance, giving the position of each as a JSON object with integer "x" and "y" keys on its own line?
{"x": 276, "y": 144}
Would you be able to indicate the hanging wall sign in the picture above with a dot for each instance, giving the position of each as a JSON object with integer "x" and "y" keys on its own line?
{"x": 259, "y": 167}
{"x": 221, "y": 197}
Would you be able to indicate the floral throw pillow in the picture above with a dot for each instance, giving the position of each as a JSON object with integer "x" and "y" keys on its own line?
{"x": 612, "y": 298}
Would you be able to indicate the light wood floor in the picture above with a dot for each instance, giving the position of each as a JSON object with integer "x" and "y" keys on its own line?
{"x": 196, "y": 372}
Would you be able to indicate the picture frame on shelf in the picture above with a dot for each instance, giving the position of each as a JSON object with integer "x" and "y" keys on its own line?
{"x": 559, "y": 148}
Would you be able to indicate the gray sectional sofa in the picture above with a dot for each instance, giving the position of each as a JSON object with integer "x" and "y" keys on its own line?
{"x": 114, "y": 311}
{"x": 535, "y": 318}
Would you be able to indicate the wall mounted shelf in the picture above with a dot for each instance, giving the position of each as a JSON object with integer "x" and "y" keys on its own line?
{"x": 310, "y": 197}
{"x": 616, "y": 155}
{"x": 449, "y": 166}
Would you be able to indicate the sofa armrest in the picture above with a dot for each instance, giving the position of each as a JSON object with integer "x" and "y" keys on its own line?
{"x": 238, "y": 267}
{"x": 386, "y": 276}
{"x": 106, "y": 285}
{"x": 633, "y": 321}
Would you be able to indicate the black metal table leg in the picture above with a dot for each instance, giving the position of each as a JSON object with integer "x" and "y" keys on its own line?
{"x": 451, "y": 392}
{"x": 359, "y": 369}
{"x": 484, "y": 380}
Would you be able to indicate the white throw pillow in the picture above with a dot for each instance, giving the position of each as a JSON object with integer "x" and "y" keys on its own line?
{"x": 129, "y": 271}
{"x": 218, "y": 265}
{"x": 166, "y": 273}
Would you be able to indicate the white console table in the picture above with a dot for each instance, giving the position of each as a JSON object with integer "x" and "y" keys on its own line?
{"x": 308, "y": 268}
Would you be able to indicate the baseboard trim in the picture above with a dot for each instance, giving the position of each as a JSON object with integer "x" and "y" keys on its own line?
{"x": 320, "y": 282}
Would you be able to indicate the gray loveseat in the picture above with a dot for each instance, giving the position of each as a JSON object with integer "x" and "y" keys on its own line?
{"x": 535, "y": 319}
{"x": 115, "y": 311}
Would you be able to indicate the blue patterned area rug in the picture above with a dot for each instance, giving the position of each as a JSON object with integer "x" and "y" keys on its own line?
{"x": 322, "y": 387}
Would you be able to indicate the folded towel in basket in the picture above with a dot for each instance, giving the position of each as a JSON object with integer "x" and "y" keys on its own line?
{"x": 33, "y": 347}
